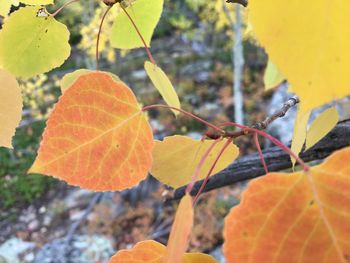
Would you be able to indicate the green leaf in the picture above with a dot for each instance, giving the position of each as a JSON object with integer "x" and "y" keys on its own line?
{"x": 163, "y": 85}
{"x": 32, "y": 44}
{"x": 146, "y": 14}
{"x": 273, "y": 77}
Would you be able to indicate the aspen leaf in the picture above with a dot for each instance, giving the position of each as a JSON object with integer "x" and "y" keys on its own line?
{"x": 146, "y": 14}
{"x": 309, "y": 43}
{"x": 273, "y": 77}
{"x": 163, "y": 85}
{"x": 299, "y": 217}
{"x": 299, "y": 134}
{"x": 323, "y": 124}
{"x": 69, "y": 79}
{"x": 175, "y": 159}
{"x": 32, "y": 44}
{"x": 96, "y": 137}
{"x": 180, "y": 231}
{"x": 10, "y": 107}
{"x": 150, "y": 251}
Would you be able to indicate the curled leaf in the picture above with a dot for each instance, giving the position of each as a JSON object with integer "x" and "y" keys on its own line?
{"x": 180, "y": 231}
{"x": 163, "y": 85}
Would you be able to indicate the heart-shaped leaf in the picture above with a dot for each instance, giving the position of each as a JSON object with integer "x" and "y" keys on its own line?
{"x": 97, "y": 137}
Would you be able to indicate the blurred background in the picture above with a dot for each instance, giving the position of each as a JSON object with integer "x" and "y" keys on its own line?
{"x": 208, "y": 51}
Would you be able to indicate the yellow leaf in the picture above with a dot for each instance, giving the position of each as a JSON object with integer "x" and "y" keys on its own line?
{"x": 309, "y": 42}
{"x": 163, "y": 85}
{"x": 324, "y": 123}
{"x": 150, "y": 251}
{"x": 180, "y": 231}
{"x": 299, "y": 135}
{"x": 175, "y": 159}
{"x": 273, "y": 77}
{"x": 10, "y": 107}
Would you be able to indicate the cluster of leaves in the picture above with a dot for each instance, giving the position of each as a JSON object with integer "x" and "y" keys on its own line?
{"x": 98, "y": 137}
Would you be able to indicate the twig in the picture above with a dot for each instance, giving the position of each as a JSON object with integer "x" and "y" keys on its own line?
{"x": 250, "y": 166}
{"x": 63, "y": 7}
{"x": 278, "y": 114}
{"x": 98, "y": 36}
{"x": 241, "y": 2}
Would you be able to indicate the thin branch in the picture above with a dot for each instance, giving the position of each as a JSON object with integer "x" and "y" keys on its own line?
{"x": 250, "y": 166}
{"x": 241, "y": 2}
{"x": 199, "y": 166}
{"x": 229, "y": 141}
{"x": 98, "y": 36}
{"x": 63, "y": 7}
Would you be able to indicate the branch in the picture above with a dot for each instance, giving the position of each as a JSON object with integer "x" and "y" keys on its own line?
{"x": 250, "y": 166}
{"x": 241, "y": 2}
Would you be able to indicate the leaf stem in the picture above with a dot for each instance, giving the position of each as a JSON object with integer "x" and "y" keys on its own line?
{"x": 140, "y": 35}
{"x": 257, "y": 144}
{"x": 146, "y": 108}
{"x": 99, "y": 35}
{"x": 229, "y": 141}
{"x": 199, "y": 166}
{"x": 63, "y": 7}
{"x": 272, "y": 139}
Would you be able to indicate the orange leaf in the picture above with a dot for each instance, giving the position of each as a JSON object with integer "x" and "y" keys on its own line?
{"x": 180, "y": 231}
{"x": 145, "y": 251}
{"x": 150, "y": 251}
{"x": 96, "y": 137}
{"x": 299, "y": 217}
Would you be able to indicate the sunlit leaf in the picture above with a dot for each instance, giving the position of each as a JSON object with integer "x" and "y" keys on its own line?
{"x": 299, "y": 135}
{"x": 180, "y": 231}
{"x": 32, "y": 44}
{"x": 273, "y": 77}
{"x": 96, "y": 137}
{"x": 163, "y": 85}
{"x": 309, "y": 42}
{"x": 10, "y": 107}
{"x": 175, "y": 159}
{"x": 294, "y": 218}
{"x": 69, "y": 79}
{"x": 323, "y": 124}
{"x": 150, "y": 251}
{"x": 146, "y": 14}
